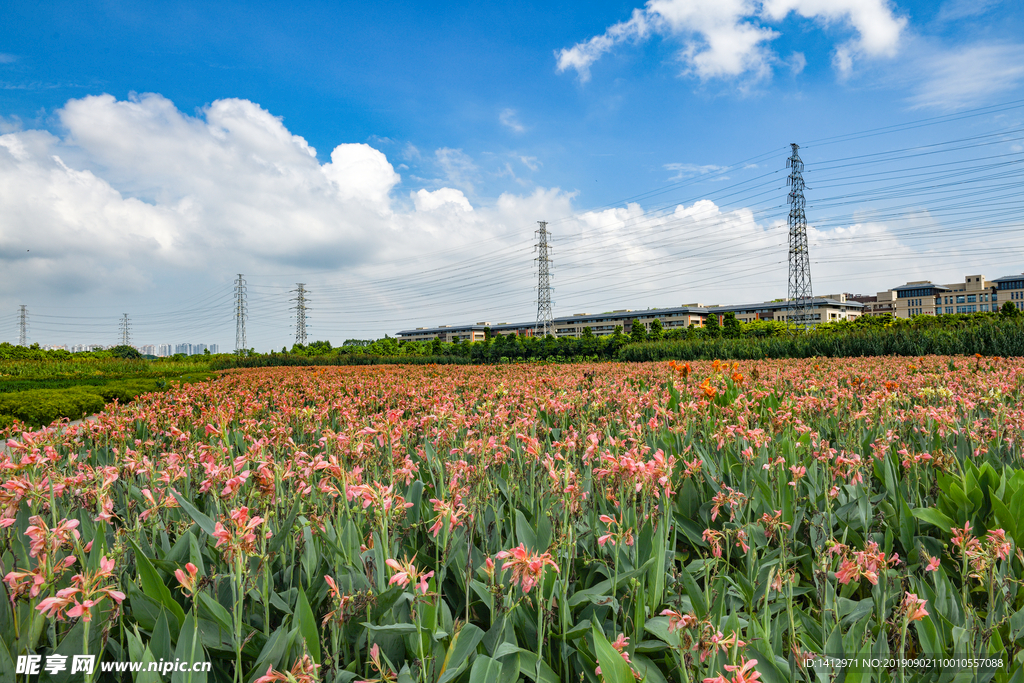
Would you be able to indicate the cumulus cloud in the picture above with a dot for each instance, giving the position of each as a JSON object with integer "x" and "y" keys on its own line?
{"x": 728, "y": 38}
{"x": 134, "y": 198}
{"x": 446, "y": 197}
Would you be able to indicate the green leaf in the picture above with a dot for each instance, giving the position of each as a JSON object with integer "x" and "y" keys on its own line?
{"x": 273, "y": 652}
{"x": 485, "y": 670}
{"x": 400, "y": 629}
{"x": 613, "y": 667}
{"x": 153, "y": 585}
{"x": 190, "y": 649}
{"x": 217, "y": 611}
{"x": 7, "y": 667}
{"x": 306, "y": 622}
{"x": 525, "y": 533}
{"x": 160, "y": 641}
{"x": 204, "y": 522}
{"x": 700, "y": 606}
{"x": 935, "y": 518}
{"x": 462, "y": 646}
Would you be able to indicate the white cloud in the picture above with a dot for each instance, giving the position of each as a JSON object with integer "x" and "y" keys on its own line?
{"x": 137, "y": 199}
{"x": 530, "y": 162}
{"x": 7, "y": 58}
{"x": 690, "y": 170}
{"x": 797, "y": 63}
{"x": 726, "y": 38}
{"x": 457, "y": 166}
{"x": 446, "y": 197}
{"x": 968, "y": 75}
{"x": 510, "y": 120}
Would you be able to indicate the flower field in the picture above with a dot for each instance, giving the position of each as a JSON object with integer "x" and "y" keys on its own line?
{"x": 753, "y": 521}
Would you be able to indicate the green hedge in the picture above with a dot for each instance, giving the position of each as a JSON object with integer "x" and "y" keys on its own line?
{"x": 995, "y": 337}
{"x": 38, "y": 407}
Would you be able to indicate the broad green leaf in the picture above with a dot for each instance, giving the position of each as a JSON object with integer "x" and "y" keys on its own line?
{"x": 613, "y": 667}
{"x": 7, "y": 667}
{"x": 485, "y": 670}
{"x": 525, "y": 533}
{"x": 934, "y": 517}
{"x": 204, "y": 522}
{"x": 217, "y": 611}
{"x": 306, "y": 622}
{"x": 190, "y": 650}
{"x": 160, "y": 641}
{"x": 462, "y": 646}
{"x": 154, "y": 586}
{"x": 700, "y": 606}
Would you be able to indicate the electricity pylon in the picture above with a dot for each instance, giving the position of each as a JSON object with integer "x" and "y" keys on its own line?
{"x": 545, "y": 321}
{"x": 240, "y": 312}
{"x": 801, "y": 300}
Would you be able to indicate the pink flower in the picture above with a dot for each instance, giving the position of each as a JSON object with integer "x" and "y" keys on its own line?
{"x": 527, "y": 569}
{"x": 677, "y": 621}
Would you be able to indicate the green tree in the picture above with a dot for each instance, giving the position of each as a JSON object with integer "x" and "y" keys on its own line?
{"x": 731, "y": 326}
{"x": 1009, "y": 310}
{"x": 711, "y": 327}
{"x": 657, "y": 330}
{"x": 587, "y": 333}
{"x": 637, "y": 331}
{"x": 124, "y": 351}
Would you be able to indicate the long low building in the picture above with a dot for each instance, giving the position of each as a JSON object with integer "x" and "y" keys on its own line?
{"x": 826, "y": 309}
{"x": 831, "y": 308}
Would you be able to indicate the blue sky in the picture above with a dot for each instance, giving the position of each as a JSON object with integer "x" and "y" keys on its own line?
{"x": 151, "y": 152}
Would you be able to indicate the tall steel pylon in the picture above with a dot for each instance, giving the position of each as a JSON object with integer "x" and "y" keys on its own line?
{"x": 23, "y": 325}
{"x": 125, "y": 330}
{"x": 240, "y": 313}
{"x": 545, "y": 322}
{"x": 300, "y": 312}
{"x": 799, "y": 313}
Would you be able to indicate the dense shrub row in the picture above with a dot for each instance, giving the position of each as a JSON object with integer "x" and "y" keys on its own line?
{"x": 996, "y": 337}
{"x": 38, "y": 407}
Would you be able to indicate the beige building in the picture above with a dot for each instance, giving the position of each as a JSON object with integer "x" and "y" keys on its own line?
{"x": 828, "y": 308}
{"x": 468, "y": 333}
{"x": 602, "y": 324}
{"x": 974, "y": 295}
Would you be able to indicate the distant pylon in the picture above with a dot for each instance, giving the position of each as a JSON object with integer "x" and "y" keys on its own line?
{"x": 126, "y": 331}
{"x": 300, "y": 313}
{"x": 545, "y": 322}
{"x": 801, "y": 299}
{"x": 23, "y": 326}
{"x": 240, "y": 313}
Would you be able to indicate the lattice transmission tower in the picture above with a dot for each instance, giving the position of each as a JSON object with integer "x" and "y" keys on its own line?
{"x": 300, "y": 309}
{"x": 23, "y": 326}
{"x": 545, "y": 322}
{"x": 240, "y": 314}
{"x": 800, "y": 313}
{"x": 125, "y": 330}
